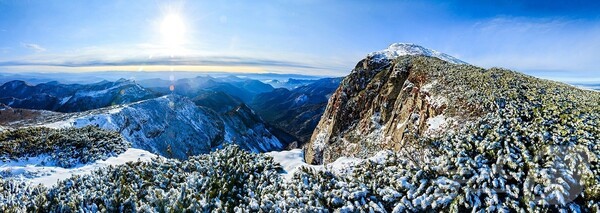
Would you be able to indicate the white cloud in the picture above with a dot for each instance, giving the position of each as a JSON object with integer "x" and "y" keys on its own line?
{"x": 34, "y": 47}
{"x": 118, "y": 57}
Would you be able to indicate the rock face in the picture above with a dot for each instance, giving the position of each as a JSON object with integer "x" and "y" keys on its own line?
{"x": 385, "y": 102}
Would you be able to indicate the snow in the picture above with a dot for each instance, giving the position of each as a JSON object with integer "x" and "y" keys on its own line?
{"x": 400, "y": 49}
{"x": 343, "y": 165}
{"x": 436, "y": 122}
{"x": 437, "y": 101}
{"x": 97, "y": 93}
{"x": 322, "y": 136}
{"x": 65, "y": 99}
{"x": 38, "y": 170}
{"x": 60, "y": 124}
{"x": 429, "y": 86}
{"x": 380, "y": 156}
{"x": 115, "y": 110}
{"x": 292, "y": 160}
{"x": 301, "y": 99}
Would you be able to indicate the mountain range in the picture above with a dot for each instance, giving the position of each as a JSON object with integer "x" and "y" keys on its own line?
{"x": 178, "y": 118}
{"x": 58, "y": 97}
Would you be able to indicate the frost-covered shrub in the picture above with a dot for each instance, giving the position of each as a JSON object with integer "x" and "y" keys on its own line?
{"x": 17, "y": 196}
{"x": 66, "y": 147}
{"x": 221, "y": 181}
{"x": 461, "y": 177}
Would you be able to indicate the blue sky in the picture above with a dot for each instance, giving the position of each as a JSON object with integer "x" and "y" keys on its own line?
{"x": 543, "y": 38}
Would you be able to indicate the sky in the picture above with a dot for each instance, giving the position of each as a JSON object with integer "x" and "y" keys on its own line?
{"x": 557, "y": 40}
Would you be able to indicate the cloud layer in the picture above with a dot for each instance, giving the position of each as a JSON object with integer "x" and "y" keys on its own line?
{"x": 34, "y": 47}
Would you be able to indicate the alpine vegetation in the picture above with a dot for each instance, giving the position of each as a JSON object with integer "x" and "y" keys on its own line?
{"x": 234, "y": 180}
{"x": 62, "y": 147}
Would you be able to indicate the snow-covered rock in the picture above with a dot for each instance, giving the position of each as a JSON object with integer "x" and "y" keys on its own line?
{"x": 400, "y": 49}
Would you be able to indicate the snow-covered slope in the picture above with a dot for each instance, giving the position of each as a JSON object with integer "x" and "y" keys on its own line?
{"x": 38, "y": 170}
{"x": 400, "y": 49}
{"x": 173, "y": 126}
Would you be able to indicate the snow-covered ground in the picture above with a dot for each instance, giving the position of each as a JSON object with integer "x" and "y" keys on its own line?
{"x": 436, "y": 122}
{"x": 293, "y": 159}
{"x": 37, "y": 171}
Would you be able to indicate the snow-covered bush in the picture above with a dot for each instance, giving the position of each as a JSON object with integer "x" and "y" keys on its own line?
{"x": 65, "y": 147}
{"x": 17, "y": 196}
{"x": 461, "y": 177}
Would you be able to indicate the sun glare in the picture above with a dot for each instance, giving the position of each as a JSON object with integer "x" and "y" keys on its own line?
{"x": 172, "y": 29}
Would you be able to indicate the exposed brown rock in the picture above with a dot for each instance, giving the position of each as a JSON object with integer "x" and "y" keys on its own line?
{"x": 382, "y": 104}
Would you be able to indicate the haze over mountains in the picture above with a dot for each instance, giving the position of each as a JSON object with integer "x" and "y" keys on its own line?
{"x": 408, "y": 130}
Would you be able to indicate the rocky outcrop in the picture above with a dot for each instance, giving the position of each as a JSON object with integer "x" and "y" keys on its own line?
{"x": 385, "y": 102}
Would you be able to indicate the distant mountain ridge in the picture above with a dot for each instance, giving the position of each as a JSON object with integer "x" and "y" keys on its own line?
{"x": 296, "y": 111}
{"x": 242, "y": 88}
{"x": 71, "y": 97}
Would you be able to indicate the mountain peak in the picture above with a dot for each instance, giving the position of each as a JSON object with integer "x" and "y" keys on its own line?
{"x": 400, "y": 49}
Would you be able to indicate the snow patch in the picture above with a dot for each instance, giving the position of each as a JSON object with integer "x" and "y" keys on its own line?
{"x": 38, "y": 170}
{"x": 115, "y": 110}
{"x": 436, "y": 122}
{"x": 437, "y": 101}
{"x": 65, "y": 99}
{"x": 301, "y": 99}
{"x": 429, "y": 86}
{"x": 343, "y": 166}
{"x": 291, "y": 161}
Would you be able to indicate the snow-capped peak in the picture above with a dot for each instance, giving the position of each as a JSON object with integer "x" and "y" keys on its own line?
{"x": 399, "y": 49}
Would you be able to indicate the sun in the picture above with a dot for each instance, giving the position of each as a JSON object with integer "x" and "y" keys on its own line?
{"x": 172, "y": 30}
